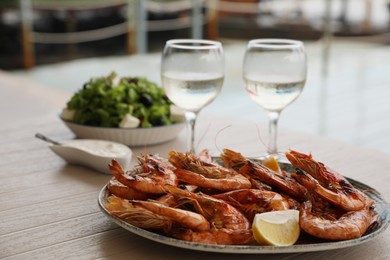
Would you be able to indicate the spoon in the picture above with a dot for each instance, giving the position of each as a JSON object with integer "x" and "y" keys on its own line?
{"x": 94, "y": 154}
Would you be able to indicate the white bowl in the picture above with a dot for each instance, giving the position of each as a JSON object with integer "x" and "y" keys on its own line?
{"x": 127, "y": 136}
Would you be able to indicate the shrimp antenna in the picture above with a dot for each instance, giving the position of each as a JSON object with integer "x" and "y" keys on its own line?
{"x": 259, "y": 136}
{"x": 203, "y": 135}
{"x": 216, "y": 136}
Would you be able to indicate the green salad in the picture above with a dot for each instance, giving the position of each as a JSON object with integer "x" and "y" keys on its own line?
{"x": 110, "y": 101}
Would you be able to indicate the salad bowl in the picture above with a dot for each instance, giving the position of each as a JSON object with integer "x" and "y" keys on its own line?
{"x": 128, "y": 136}
{"x": 129, "y": 110}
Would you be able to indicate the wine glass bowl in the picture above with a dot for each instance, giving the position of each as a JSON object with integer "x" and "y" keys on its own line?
{"x": 274, "y": 71}
{"x": 192, "y": 74}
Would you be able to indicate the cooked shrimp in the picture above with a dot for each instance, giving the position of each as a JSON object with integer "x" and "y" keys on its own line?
{"x": 342, "y": 197}
{"x": 218, "y": 236}
{"x": 253, "y": 201}
{"x": 191, "y": 169}
{"x": 350, "y": 225}
{"x": 154, "y": 163}
{"x": 324, "y": 207}
{"x": 190, "y": 161}
{"x": 125, "y": 192}
{"x": 154, "y": 215}
{"x": 228, "y": 225}
{"x": 170, "y": 200}
{"x": 282, "y": 181}
{"x": 327, "y": 183}
{"x": 150, "y": 181}
{"x": 318, "y": 170}
{"x": 233, "y": 159}
{"x": 231, "y": 182}
{"x": 257, "y": 184}
{"x": 205, "y": 156}
{"x": 218, "y": 212}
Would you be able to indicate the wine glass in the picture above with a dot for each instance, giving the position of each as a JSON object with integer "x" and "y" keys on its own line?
{"x": 274, "y": 71}
{"x": 192, "y": 73}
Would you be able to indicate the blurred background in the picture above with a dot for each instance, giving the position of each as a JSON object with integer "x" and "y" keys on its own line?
{"x": 62, "y": 43}
{"x": 36, "y": 32}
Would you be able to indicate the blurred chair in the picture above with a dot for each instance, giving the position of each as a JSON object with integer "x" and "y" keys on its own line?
{"x": 189, "y": 14}
{"x": 136, "y": 25}
{"x": 232, "y": 8}
{"x": 29, "y": 8}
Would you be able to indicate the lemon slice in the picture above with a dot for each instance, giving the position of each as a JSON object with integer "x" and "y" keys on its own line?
{"x": 276, "y": 228}
{"x": 272, "y": 163}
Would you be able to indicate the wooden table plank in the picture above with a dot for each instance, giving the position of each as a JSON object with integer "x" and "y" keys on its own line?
{"x": 56, "y": 210}
{"x": 54, "y": 233}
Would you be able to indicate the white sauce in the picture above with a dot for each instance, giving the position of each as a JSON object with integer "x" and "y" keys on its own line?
{"x": 100, "y": 148}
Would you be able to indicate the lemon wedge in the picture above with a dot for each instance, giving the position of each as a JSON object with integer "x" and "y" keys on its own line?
{"x": 276, "y": 228}
{"x": 272, "y": 163}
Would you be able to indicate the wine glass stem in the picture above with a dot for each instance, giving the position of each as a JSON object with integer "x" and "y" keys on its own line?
{"x": 273, "y": 117}
{"x": 191, "y": 120}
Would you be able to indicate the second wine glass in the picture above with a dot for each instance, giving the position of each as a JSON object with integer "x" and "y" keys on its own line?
{"x": 274, "y": 72}
{"x": 192, "y": 74}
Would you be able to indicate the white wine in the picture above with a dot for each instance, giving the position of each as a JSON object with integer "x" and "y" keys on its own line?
{"x": 274, "y": 96}
{"x": 274, "y": 71}
{"x": 192, "y": 91}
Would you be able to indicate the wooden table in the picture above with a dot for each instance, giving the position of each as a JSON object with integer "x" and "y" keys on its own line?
{"x": 48, "y": 209}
